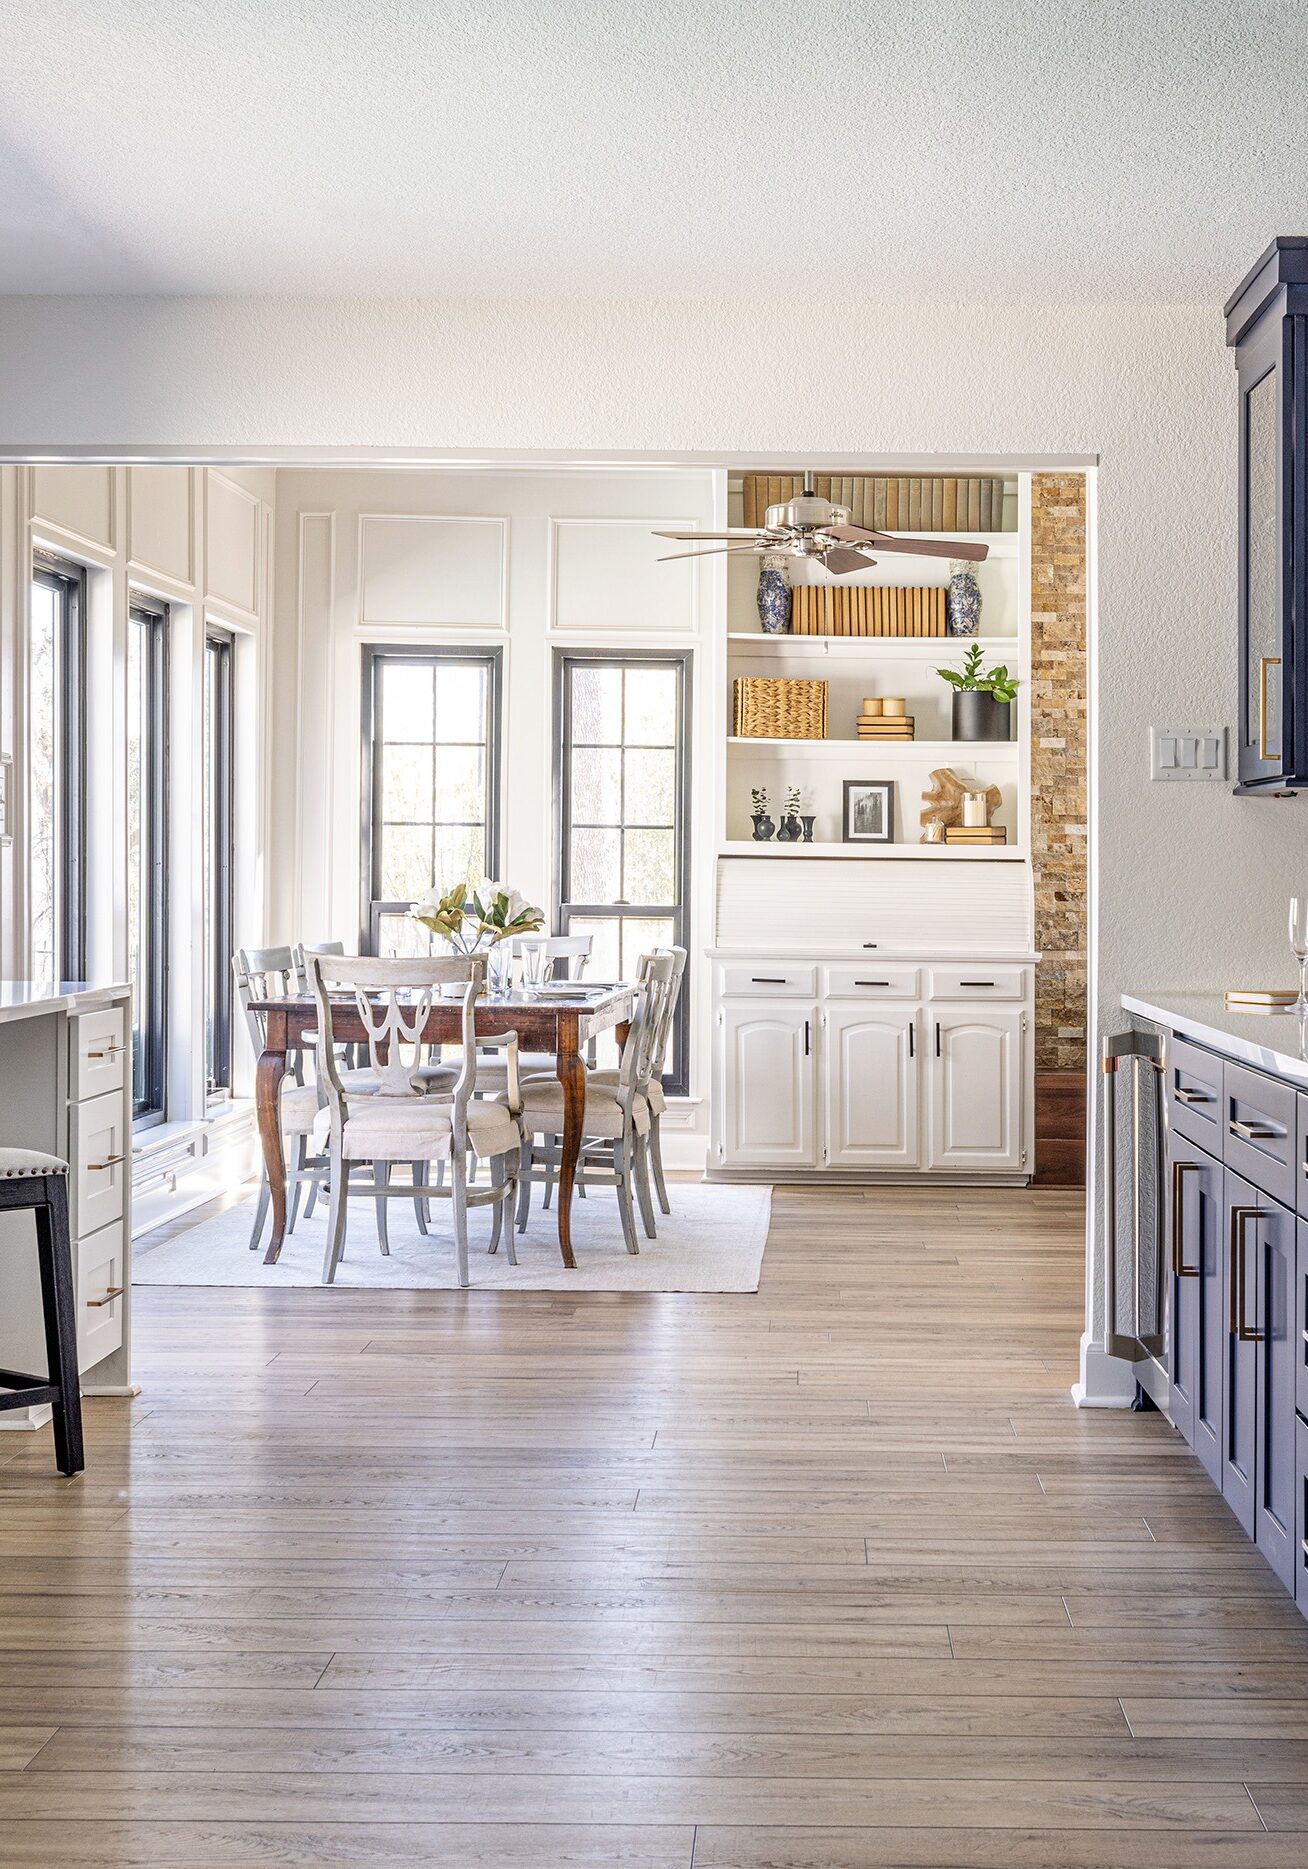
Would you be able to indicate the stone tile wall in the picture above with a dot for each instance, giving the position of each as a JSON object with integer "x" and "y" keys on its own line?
{"x": 1059, "y": 800}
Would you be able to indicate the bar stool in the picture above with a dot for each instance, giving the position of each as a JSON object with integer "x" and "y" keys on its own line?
{"x": 29, "y": 1179}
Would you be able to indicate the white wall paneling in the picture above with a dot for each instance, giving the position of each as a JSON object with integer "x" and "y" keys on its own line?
{"x": 231, "y": 545}
{"x": 432, "y": 569}
{"x": 606, "y": 577}
{"x": 81, "y": 502}
{"x": 161, "y": 523}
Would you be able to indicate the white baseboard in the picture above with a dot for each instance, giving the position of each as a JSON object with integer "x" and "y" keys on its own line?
{"x": 1105, "y": 1381}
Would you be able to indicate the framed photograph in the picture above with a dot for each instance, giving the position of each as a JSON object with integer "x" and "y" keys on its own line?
{"x": 869, "y": 811}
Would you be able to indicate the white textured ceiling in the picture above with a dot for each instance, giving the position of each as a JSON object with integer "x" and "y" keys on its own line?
{"x": 954, "y": 148}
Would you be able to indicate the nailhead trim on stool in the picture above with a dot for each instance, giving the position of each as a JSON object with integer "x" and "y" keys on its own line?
{"x": 38, "y": 1183}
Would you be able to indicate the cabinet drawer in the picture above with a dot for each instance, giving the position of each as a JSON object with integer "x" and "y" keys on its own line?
{"x": 873, "y": 982}
{"x": 102, "y": 1161}
{"x": 101, "y": 1280}
{"x": 1301, "y": 1155}
{"x": 978, "y": 982}
{"x": 1301, "y": 1517}
{"x": 1299, "y": 1321}
{"x": 99, "y": 1048}
{"x": 1259, "y": 1123}
{"x": 1194, "y": 1093}
{"x": 766, "y": 979}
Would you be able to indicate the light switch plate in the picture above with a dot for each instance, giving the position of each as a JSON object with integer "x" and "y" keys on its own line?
{"x": 1188, "y": 753}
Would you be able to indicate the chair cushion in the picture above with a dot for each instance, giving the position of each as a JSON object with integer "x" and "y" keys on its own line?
{"x": 360, "y": 1081}
{"x": 542, "y": 1106}
{"x": 16, "y": 1162}
{"x": 658, "y": 1101}
{"x": 493, "y": 1073}
{"x": 299, "y": 1108}
{"x": 419, "y": 1129}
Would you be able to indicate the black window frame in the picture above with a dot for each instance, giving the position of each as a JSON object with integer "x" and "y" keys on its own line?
{"x": 220, "y": 645}
{"x": 68, "y": 580}
{"x": 376, "y": 656}
{"x": 676, "y": 1079}
{"x": 152, "y": 616}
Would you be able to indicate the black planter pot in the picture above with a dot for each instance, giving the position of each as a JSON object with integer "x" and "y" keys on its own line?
{"x": 978, "y": 716}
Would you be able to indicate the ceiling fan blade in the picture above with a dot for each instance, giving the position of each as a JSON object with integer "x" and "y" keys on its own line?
{"x": 732, "y": 532}
{"x": 840, "y": 558}
{"x": 714, "y": 551}
{"x": 921, "y": 548}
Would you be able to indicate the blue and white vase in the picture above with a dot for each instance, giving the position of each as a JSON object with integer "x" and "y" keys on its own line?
{"x": 964, "y": 599}
{"x": 773, "y": 596}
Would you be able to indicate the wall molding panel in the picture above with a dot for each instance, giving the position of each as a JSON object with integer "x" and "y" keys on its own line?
{"x": 433, "y": 571}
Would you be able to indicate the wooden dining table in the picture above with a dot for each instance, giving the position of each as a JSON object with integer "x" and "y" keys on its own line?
{"x": 562, "y": 1023}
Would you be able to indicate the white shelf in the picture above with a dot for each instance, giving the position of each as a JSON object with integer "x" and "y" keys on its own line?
{"x": 931, "y": 853}
{"x": 974, "y": 751}
{"x": 878, "y": 647}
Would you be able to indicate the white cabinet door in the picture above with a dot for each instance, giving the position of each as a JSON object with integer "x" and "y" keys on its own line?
{"x": 870, "y": 1057}
{"x": 976, "y": 1088}
{"x": 767, "y": 1084}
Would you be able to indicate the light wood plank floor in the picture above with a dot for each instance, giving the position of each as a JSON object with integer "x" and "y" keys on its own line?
{"x": 833, "y": 1577}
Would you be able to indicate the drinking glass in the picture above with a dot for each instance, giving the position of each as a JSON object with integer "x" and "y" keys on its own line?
{"x": 1299, "y": 948}
{"x": 533, "y": 962}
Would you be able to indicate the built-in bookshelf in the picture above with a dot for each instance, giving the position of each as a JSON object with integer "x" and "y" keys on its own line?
{"x": 856, "y": 666}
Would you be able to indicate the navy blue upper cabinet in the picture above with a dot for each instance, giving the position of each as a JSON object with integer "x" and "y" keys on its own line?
{"x": 1267, "y": 325}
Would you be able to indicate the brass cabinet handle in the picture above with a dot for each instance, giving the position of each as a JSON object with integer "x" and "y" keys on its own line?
{"x": 1238, "y": 1327}
{"x": 1264, "y": 663}
{"x": 108, "y": 1051}
{"x": 1191, "y": 1096}
{"x": 1179, "y": 1171}
{"x": 110, "y": 1161}
{"x": 1251, "y": 1132}
{"x": 114, "y": 1291}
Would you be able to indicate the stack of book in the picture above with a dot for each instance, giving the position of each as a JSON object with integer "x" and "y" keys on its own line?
{"x": 884, "y": 726}
{"x": 897, "y": 503}
{"x": 975, "y": 834}
{"x": 868, "y": 610}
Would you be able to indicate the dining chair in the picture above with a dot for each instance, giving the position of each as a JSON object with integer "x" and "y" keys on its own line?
{"x": 572, "y": 949}
{"x": 656, "y": 1094}
{"x": 269, "y": 973}
{"x": 401, "y": 1121}
{"x": 616, "y": 1118}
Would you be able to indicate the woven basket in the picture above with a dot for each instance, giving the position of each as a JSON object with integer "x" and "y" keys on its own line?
{"x": 767, "y": 709}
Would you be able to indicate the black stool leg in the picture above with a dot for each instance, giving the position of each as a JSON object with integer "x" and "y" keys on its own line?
{"x": 56, "y": 1259}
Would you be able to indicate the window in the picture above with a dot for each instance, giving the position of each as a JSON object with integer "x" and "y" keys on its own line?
{"x": 219, "y": 725}
{"x": 622, "y": 813}
{"x": 431, "y": 778}
{"x": 56, "y": 775}
{"x": 147, "y": 851}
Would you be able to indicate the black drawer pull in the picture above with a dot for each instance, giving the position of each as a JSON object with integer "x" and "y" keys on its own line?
{"x": 767, "y": 980}
{"x": 976, "y": 983}
{"x": 871, "y": 983}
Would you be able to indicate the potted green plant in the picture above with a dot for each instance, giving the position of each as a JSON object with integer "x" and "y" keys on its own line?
{"x": 982, "y": 698}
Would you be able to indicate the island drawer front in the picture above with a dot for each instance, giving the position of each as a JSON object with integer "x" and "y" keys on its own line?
{"x": 102, "y": 1160}
{"x": 1260, "y": 1129}
{"x": 1300, "y": 1321}
{"x": 766, "y": 979}
{"x": 1301, "y": 1157}
{"x": 1194, "y": 1094}
{"x": 978, "y": 981}
{"x": 101, "y": 1281}
{"x": 100, "y": 1051}
{"x": 1301, "y": 1515}
{"x": 873, "y": 982}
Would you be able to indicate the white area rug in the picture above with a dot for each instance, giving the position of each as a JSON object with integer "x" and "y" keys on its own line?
{"x": 713, "y": 1241}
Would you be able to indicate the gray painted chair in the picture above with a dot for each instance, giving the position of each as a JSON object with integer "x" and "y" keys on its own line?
{"x": 400, "y": 1121}
{"x": 658, "y": 1101}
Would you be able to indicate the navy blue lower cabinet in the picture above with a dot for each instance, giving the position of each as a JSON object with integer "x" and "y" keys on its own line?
{"x": 1197, "y": 1343}
{"x": 1259, "y": 1456}
{"x": 1301, "y": 1518}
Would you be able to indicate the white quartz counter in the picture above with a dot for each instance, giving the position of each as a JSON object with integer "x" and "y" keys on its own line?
{"x": 28, "y": 999}
{"x": 1270, "y": 1041}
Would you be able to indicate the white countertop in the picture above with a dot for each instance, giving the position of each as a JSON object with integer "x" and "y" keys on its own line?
{"x": 27, "y": 999}
{"x": 1270, "y": 1041}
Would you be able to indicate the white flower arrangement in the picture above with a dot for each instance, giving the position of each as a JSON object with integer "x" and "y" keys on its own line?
{"x": 472, "y": 915}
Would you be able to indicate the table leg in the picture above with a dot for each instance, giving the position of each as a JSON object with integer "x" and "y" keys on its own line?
{"x": 268, "y": 1075}
{"x": 572, "y": 1075}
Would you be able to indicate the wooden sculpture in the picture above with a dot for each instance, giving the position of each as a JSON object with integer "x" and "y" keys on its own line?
{"x": 943, "y": 803}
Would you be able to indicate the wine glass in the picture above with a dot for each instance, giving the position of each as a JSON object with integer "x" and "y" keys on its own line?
{"x": 1299, "y": 948}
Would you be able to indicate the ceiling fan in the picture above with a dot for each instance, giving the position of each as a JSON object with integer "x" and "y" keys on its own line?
{"x": 810, "y": 527}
